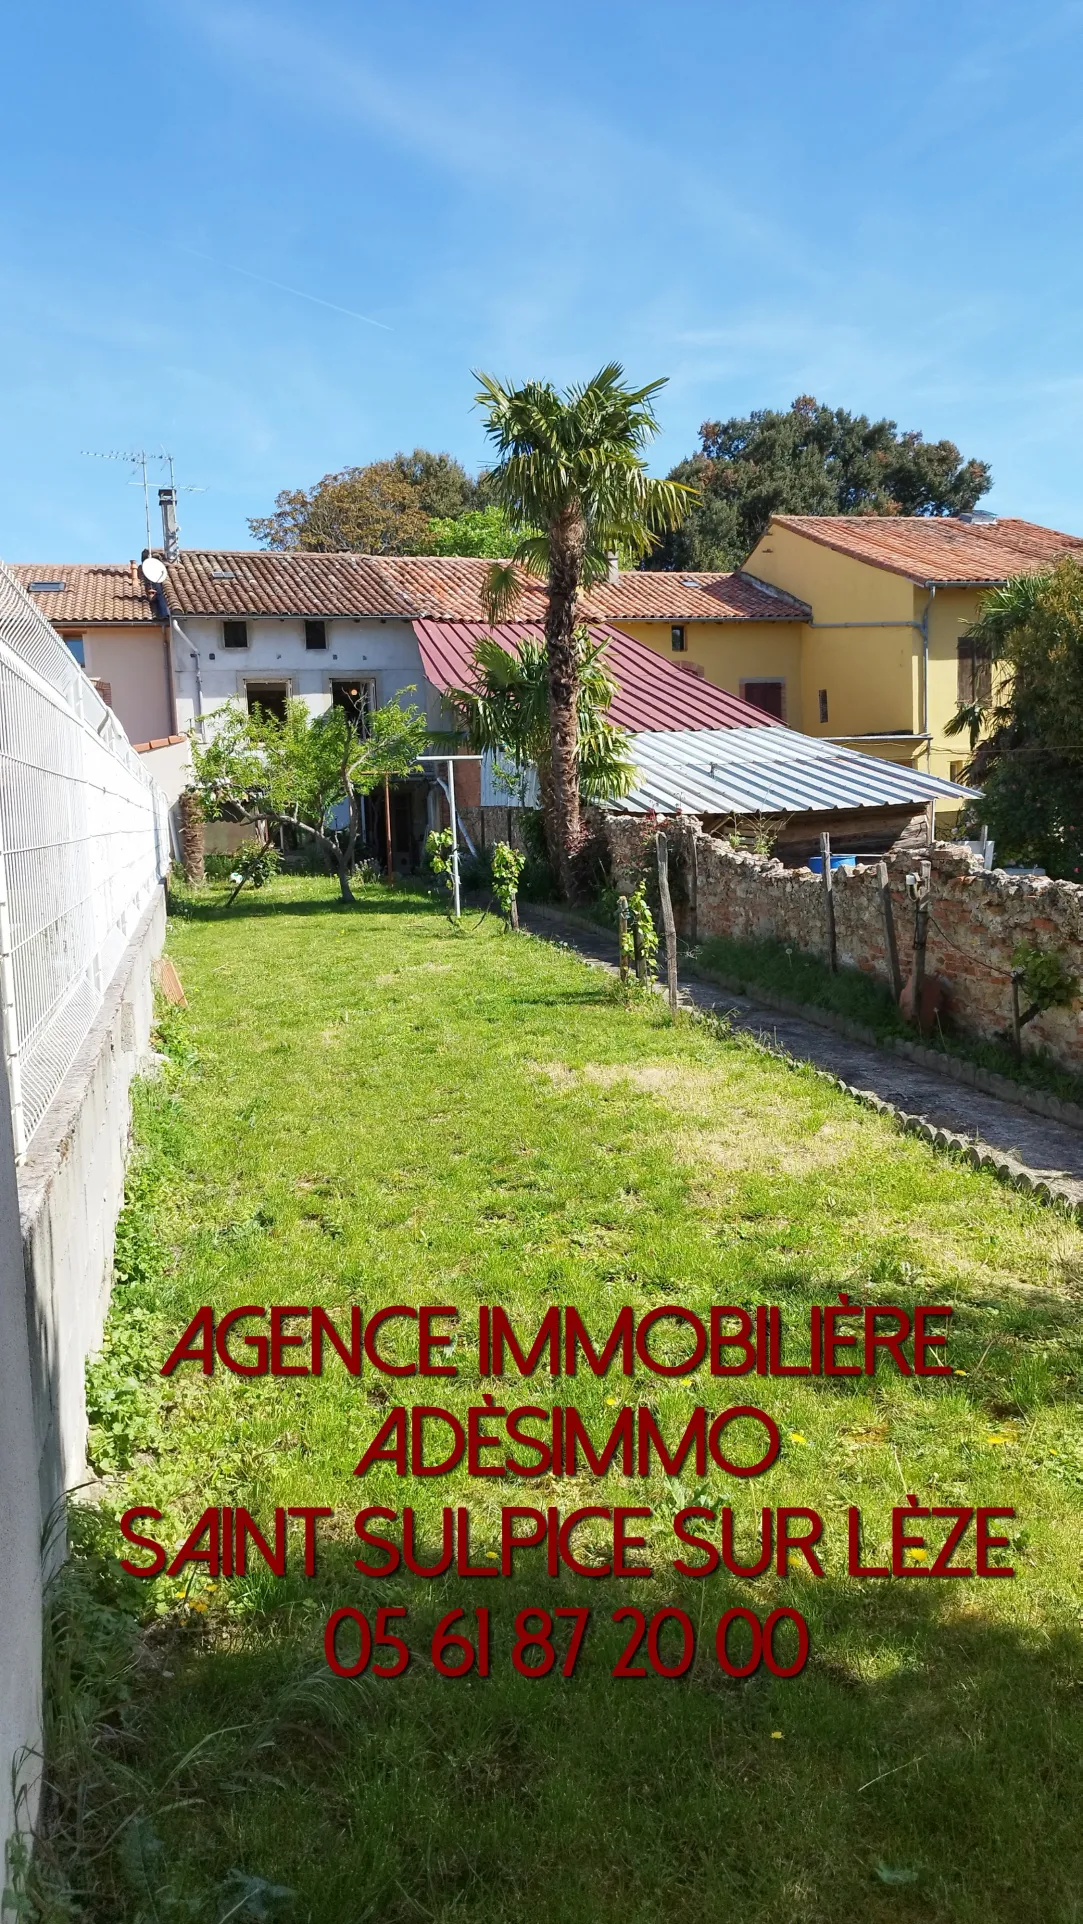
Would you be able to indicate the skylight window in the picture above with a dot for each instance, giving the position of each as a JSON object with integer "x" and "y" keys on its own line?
{"x": 47, "y": 587}
{"x": 222, "y": 574}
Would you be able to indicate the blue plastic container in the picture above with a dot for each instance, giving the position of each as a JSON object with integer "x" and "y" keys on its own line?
{"x": 816, "y": 863}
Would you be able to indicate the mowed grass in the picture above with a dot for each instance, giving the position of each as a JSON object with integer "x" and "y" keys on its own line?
{"x": 367, "y": 1106}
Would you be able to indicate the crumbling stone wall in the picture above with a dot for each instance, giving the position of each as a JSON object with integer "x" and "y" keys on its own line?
{"x": 976, "y": 919}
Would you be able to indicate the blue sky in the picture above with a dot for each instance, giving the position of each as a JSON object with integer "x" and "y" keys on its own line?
{"x": 876, "y": 203}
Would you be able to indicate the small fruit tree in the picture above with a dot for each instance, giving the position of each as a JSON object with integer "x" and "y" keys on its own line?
{"x": 294, "y": 773}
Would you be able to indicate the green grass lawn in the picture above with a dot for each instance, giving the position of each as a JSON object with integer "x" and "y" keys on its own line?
{"x": 366, "y": 1106}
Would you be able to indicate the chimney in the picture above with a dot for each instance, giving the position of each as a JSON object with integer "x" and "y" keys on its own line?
{"x": 167, "y": 501}
{"x": 612, "y": 570}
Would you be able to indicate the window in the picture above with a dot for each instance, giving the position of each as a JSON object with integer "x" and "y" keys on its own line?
{"x": 267, "y": 697}
{"x": 358, "y": 698}
{"x": 676, "y": 639}
{"x": 77, "y": 647}
{"x": 235, "y": 634}
{"x": 975, "y": 674}
{"x": 957, "y": 771}
{"x": 315, "y": 634}
{"x": 768, "y": 695}
{"x": 47, "y": 587}
{"x": 822, "y": 699}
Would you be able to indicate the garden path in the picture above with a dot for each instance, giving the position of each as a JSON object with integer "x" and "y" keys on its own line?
{"x": 1034, "y": 1151}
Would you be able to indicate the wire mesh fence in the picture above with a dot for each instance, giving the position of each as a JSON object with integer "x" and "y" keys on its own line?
{"x": 84, "y": 843}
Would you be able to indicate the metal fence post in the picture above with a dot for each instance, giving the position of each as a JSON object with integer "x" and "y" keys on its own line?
{"x": 455, "y": 895}
{"x": 10, "y": 1018}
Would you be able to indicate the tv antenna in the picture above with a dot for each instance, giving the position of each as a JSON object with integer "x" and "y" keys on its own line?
{"x": 138, "y": 459}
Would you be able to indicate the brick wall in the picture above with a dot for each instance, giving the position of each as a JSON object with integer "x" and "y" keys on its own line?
{"x": 976, "y": 920}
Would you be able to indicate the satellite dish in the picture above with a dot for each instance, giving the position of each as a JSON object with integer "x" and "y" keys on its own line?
{"x": 153, "y": 570}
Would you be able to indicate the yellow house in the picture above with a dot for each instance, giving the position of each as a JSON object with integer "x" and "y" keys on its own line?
{"x": 885, "y": 661}
{"x": 743, "y": 635}
{"x": 866, "y": 641}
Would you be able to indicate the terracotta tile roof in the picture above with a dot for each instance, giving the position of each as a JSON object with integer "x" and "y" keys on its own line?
{"x": 445, "y": 588}
{"x": 652, "y": 693}
{"x": 940, "y": 551}
{"x": 449, "y": 587}
{"x": 643, "y": 596}
{"x": 92, "y": 592}
{"x": 252, "y": 582}
{"x": 160, "y": 741}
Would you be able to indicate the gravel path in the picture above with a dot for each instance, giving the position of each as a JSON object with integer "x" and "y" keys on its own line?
{"x": 1030, "y": 1150}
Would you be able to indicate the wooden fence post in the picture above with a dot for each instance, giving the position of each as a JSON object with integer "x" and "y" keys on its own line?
{"x": 1017, "y": 1020}
{"x": 921, "y": 936}
{"x": 637, "y": 949}
{"x": 693, "y": 886}
{"x": 891, "y": 946}
{"x": 622, "y": 936}
{"x": 667, "y": 919}
{"x": 829, "y": 904}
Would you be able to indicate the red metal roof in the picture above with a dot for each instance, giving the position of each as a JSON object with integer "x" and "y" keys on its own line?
{"x": 930, "y": 549}
{"x": 652, "y": 693}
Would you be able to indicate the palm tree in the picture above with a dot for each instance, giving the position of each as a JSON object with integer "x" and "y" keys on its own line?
{"x": 570, "y": 467}
{"x": 506, "y": 711}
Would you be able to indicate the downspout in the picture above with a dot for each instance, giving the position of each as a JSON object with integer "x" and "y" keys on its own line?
{"x": 170, "y": 690}
{"x": 925, "y": 680}
{"x": 178, "y": 630}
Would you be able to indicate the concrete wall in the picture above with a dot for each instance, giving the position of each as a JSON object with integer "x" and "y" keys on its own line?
{"x": 71, "y": 1188}
{"x": 57, "y": 1222}
{"x": 20, "y": 1517}
{"x": 977, "y": 919}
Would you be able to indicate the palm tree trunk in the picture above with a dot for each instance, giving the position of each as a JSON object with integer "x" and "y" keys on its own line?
{"x": 567, "y": 537}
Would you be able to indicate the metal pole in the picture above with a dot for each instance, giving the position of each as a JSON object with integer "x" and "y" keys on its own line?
{"x": 387, "y": 832}
{"x": 622, "y": 936}
{"x": 455, "y": 900}
{"x": 829, "y": 904}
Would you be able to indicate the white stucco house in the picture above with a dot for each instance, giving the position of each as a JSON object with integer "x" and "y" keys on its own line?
{"x": 357, "y": 630}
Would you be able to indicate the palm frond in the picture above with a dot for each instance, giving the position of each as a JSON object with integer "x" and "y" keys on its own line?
{"x": 500, "y": 590}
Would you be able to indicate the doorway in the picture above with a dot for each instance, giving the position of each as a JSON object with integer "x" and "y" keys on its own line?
{"x": 357, "y": 698}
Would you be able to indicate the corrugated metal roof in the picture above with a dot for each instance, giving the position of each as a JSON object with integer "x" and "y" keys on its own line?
{"x": 735, "y": 771}
{"x": 651, "y": 692}
{"x": 940, "y": 549}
